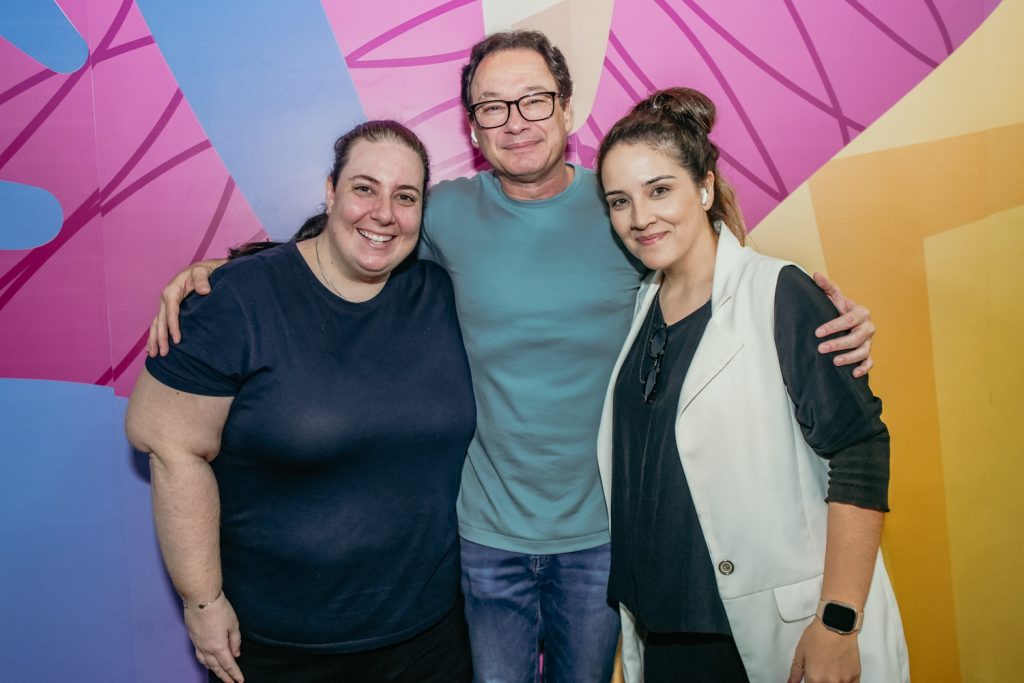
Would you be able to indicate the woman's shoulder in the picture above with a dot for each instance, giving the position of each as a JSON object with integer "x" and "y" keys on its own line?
{"x": 426, "y": 273}
{"x": 797, "y": 288}
{"x": 258, "y": 268}
{"x": 420, "y": 287}
{"x": 746, "y": 263}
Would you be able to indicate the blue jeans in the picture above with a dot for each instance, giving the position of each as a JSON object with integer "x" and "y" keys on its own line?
{"x": 515, "y": 602}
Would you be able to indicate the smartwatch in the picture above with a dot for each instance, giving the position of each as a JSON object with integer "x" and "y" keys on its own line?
{"x": 839, "y": 617}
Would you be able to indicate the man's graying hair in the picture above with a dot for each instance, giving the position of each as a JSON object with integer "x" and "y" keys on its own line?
{"x": 518, "y": 40}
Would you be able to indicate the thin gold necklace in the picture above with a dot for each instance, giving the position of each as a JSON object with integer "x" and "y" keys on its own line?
{"x": 323, "y": 273}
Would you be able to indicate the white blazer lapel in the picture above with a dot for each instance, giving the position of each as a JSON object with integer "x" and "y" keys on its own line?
{"x": 718, "y": 345}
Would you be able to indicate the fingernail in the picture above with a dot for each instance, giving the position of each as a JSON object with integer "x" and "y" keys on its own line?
{"x": 823, "y": 348}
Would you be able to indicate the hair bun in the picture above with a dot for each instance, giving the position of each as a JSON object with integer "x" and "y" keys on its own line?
{"x": 685, "y": 106}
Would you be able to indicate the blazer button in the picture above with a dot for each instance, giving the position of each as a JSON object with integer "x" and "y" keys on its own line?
{"x": 726, "y": 567}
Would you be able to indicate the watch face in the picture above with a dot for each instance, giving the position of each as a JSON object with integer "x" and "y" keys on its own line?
{"x": 839, "y": 617}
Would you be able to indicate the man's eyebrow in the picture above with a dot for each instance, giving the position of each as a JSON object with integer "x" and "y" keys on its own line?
{"x": 491, "y": 95}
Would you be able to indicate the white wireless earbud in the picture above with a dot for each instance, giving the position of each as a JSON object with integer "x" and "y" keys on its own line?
{"x": 472, "y": 136}
{"x": 703, "y": 196}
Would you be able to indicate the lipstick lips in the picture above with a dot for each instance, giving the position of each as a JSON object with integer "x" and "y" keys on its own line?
{"x": 648, "y": 240}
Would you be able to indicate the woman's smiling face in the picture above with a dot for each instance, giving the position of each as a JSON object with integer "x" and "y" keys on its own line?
{"x": 655, "y": 206}
{"x": 375, "y": 210}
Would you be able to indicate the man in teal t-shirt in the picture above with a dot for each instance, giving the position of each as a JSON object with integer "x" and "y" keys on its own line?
{"x": 545, "y": 296}
{"x": 545, "y": 293}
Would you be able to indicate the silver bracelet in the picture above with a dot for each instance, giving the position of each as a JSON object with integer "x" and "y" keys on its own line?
{"x": 203, "y": 605}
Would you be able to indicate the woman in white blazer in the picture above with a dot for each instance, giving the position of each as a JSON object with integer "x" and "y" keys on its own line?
{"x": 746, "y": 476}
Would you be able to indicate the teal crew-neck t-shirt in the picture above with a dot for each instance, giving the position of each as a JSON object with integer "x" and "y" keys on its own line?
{"x": 545, "y": 293}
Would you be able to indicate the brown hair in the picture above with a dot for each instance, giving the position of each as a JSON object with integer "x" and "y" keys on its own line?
{"x": 678, "y": 122}
{"x": 518, "y": 40}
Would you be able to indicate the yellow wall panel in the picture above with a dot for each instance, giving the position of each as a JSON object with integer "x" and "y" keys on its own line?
{"x": 974, "y": 283}
{"x": 874, "y": 213}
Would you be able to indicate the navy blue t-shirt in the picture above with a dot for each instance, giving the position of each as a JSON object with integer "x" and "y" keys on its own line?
{"x": 341, "y": 457}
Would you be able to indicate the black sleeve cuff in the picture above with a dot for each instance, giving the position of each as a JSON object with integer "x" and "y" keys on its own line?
{"x": 859, "y": 475}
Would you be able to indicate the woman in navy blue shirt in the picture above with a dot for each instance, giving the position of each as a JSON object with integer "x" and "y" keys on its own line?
{"x": 307, "y": 438}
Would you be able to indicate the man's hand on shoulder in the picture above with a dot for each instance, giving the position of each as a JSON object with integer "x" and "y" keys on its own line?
{"x": 855, "y": 319}
{"x": 195, "y": 278}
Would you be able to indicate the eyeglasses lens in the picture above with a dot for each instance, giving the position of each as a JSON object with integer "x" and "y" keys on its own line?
{"x": 532, "y": 107}
{"x": 657, "y": 345}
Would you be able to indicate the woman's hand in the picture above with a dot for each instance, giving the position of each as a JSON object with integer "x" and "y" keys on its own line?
{"x": 194, "y": 278}
{"x": 853, "y": 317}
{"x": 825, "y": 657}
{"x": 214, "y": 632}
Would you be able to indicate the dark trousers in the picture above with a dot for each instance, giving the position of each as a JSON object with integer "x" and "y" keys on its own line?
{"x": 692, "y": 658}
{"x": 438, "y": 655}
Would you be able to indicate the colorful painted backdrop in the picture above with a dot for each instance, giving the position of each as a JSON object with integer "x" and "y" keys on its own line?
{"x": 877, "y": 140}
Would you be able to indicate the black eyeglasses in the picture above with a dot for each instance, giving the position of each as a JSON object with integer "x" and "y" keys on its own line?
{"x": 656, "y": 350}
{"x": 536, "y": 106}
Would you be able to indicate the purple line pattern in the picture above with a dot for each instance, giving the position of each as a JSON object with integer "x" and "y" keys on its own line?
{"x": 130, "y": 220}
{"x": 422, "y": 47}
{"x": 794, "y": 80}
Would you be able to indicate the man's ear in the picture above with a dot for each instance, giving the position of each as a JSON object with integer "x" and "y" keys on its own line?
{"x": 567, "y": 113}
